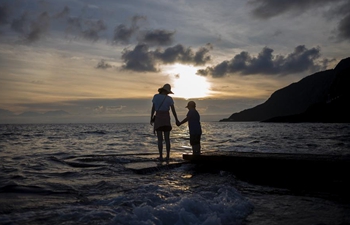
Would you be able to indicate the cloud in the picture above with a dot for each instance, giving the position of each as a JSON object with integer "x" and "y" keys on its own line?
{"x": 181, "y": 54}
{"x": 93, "y": 28}
{"x": 19, "y": 24}
{"x": 74, "y": 24}
{"x": 87, "y": 28}
{"x": 4, "y": 14}
{"x": 141, "y": 59}
{"x": 64, "y": 13}
{"x": 103, "y": 65}
{"x": 31, "y": 30}
{"x": 123, "y": 34}
{"x": 173, "y": 54}
{"x": 108, "y": 109}
{"x": 34, "y": 30}
{"x": 341, "y": 11}
{"x": 157, "y": 37}
{"x": 302, "y": 59}
{"x": 201, "y": 57}
{"x": 344, "y": 27}
{"x": 38, "y": 27}
{"x": 265, "y": 9}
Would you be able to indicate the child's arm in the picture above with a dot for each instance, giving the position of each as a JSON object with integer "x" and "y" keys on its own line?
{"x": 152, "y": 113}
{"x": 183, "y": 121}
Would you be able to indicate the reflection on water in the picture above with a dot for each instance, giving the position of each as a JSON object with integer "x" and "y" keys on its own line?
{"x": 77, "y": 173}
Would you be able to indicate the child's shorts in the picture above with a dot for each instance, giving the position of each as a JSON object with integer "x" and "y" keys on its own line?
{"x": 195, "y": 139}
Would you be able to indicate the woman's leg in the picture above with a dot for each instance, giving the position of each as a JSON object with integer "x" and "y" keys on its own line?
{"x": 167, "y": 143}
{"x": 160, "y": 143}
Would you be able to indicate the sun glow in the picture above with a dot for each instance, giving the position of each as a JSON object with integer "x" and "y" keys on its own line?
{"x": 187, "y": 84}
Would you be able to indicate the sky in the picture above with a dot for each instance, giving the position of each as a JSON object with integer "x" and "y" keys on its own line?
{"x": 102, "y": 61}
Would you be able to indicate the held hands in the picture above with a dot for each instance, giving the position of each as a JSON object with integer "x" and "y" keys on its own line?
{"x": 178, "y": 123}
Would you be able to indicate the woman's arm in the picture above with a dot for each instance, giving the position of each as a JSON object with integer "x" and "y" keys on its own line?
{"x": 174, "y": 113}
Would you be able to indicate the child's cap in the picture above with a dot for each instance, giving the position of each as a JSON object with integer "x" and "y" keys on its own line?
{"x": 191, "y": 103}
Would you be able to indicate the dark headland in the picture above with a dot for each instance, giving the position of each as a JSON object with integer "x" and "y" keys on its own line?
{"x": 320, "y": 97}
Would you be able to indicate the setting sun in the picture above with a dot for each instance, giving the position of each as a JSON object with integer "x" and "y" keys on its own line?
{"x": 187, "y": 84}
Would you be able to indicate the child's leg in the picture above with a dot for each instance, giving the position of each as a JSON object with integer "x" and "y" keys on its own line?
{"x": 196, "y": 145}
{"x": 196, "y": 149}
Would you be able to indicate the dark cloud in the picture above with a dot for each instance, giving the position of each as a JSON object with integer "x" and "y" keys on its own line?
{"x": 139, "y": 59}
{"x": 341, "y": 9}
{"x": 265, "y": 9}
{"x": 93, "y": 28}
{"x": 174, "y": 54}
{"x": 64, "y": 13}
{"x": 157, "y": 37}
{"x": 142, "y": 59}
{"x": 74, "y": 25}
{"x": 344, "y": 27}
{"x": 38, "y": 27}
{"x": 336, "y": 9}
{"x": 103, "y": 65}
{"x": 81, "y": 27}
{"x": 87, "y": 28}
{"x": 201, "y": 57}
{"x": 31, "y": 29}
{"x": 181, "y": 54}
{"x": 302, "y": 59}
{"x": 19, "y": 24}
{"x": 219, "y": 70}
{"x": 123, "y": 34}
{"x": 277, "y": 33}
{"x": 4, "y": 14}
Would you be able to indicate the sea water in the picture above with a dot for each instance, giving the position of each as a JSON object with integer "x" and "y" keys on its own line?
{"x": 78, "y": 174}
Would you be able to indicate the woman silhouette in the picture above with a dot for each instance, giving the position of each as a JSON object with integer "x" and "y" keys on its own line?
{"x": 162, "y": 103}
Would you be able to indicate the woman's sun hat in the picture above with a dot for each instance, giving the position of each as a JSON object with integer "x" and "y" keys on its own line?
{"x": 166, "y": 88}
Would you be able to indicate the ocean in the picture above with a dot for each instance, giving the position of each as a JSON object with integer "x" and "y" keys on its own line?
{"x": 78, "y": 174}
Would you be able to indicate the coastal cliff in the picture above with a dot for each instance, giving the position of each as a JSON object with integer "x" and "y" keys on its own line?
{"x": 320, "y": 97}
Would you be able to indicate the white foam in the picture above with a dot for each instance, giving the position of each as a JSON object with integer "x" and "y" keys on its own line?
{"x": 164, "y": 207}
